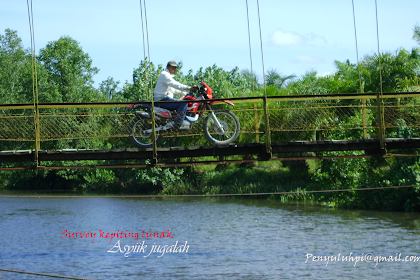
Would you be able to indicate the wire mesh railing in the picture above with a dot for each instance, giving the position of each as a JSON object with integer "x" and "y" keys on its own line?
{"x": 291, "y": 118}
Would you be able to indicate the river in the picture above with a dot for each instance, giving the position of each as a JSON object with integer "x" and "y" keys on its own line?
{"x": 203, "y": 238}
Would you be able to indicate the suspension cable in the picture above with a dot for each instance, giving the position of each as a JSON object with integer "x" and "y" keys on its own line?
{"x": 266, "y": 114}
{"x": 357, "y": 50}
{"x": 364, "y": 113}
{"x": 142, "y": 31}
{"x": 262, "y": 52}
{"x": 379, "y": 52}
{"x": 215, "y": 195}
{"x": 148, "y": 49}
{"x": 380, "y": 95}
{"x": 148, "y": 68}
{"x": 250, "y": 50}
{"x": 33, "y": 58}
{"x": 143, "y": 19}
{"x": 41, "y": 274}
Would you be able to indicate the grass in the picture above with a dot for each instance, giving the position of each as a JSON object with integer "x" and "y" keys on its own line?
{"x": 260, "y": 177}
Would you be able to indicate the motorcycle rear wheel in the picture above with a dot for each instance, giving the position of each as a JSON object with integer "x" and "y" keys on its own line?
{"x": 230, "y": 127}
{"x": 137, "y": 135}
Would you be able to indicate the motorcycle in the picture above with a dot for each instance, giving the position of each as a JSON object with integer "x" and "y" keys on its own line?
{"x": 221, "y": 126}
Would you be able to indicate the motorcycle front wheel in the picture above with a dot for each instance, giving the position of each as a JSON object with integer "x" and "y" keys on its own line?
{"x": 221, "y": 127}
{"x": 138, "y": 136}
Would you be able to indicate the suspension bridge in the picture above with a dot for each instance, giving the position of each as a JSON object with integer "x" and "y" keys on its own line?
{"x": 86, "y": 135}
{"x": 96, "y": 135}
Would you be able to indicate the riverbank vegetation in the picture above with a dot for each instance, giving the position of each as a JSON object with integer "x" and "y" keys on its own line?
{"x": 65, "y": 74}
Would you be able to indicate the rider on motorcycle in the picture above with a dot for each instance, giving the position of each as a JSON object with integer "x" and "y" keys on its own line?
{"x": 165, "y": 89}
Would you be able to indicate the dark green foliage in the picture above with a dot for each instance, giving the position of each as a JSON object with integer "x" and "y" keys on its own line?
{"x": 65, "y": 74}
{"x": 233, "y": 179}
{"x": 369, "y": 173}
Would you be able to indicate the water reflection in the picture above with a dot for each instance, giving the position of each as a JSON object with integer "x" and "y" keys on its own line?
{"x": 227, "y": 237}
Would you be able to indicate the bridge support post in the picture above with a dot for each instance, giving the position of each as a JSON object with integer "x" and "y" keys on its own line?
{"x": 381, "y": 121}
{"x": 257, "y": 136}
{"x": 364, "y": 114}
{"x": 154, "y": 159}
{"x": 268, "y": 149}
{"x": 37, "y": 134}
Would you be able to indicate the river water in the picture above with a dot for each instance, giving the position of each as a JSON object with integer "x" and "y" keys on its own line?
{"x": 203, "y": 238}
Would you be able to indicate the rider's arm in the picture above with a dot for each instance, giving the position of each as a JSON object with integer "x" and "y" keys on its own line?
{"x": 169, "y": 81}
{"x": 185, "y": 91}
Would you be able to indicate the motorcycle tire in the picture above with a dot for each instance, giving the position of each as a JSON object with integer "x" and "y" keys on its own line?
{"x": 137, "y": 135}
{"x": 229, "y": 123}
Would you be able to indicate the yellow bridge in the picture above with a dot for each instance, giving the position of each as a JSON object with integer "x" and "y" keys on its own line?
{"x": 96, "y": 135}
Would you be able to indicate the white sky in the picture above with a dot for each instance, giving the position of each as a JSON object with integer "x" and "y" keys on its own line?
{"x": 297, "y": 35}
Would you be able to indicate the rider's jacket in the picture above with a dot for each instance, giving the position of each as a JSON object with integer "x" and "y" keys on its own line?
{"x": 166, "y": 86}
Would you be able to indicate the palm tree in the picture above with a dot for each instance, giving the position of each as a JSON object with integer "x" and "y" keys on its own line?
{"x": 395, "y": 68}
{"x": 273, "y": 78}
{"x": 416, "y": 35}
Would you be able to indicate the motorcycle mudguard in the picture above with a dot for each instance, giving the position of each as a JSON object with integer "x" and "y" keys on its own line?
{"x": 226, "y": 101}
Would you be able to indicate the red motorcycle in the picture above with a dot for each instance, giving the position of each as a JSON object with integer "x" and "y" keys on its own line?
{"x": 221, "y": 126}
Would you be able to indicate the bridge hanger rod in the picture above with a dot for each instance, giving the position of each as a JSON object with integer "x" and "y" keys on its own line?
{"x": 34, "y": 82}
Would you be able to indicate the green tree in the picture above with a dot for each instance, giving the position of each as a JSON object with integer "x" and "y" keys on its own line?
{"x": 70, "y": 70}
{"x": 15, "y": 64}
{"x": 109, "y": 89}
{"x": 144, "y": 80}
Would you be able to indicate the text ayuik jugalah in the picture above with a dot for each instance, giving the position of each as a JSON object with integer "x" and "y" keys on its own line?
{"x": 141, "y": 248}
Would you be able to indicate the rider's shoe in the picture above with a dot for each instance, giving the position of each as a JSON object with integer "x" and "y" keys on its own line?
{"x": 186, "y": 125}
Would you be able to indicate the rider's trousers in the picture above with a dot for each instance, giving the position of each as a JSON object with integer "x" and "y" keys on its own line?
{"x": 181, "y": 108}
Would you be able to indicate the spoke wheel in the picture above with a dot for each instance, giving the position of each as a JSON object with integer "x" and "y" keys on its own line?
{"x": 227, "y": 132}
{"x": 138, "y": 136}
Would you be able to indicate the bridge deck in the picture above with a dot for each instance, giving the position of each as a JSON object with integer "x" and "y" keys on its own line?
{"x": 370, "y": 146}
